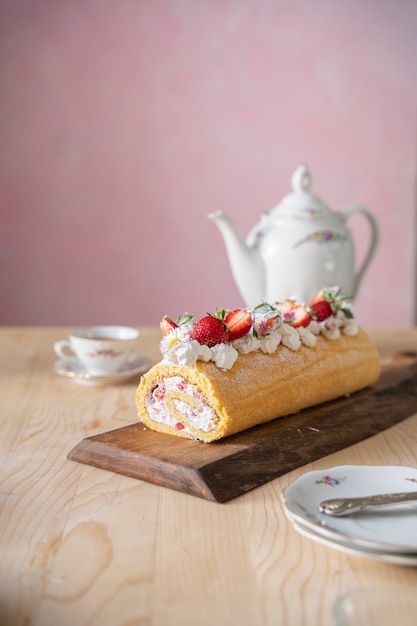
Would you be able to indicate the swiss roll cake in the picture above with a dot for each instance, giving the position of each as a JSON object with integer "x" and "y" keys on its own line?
{"x": 233, "y": 370}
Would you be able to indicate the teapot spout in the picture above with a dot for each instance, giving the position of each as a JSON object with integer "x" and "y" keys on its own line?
{"x": 245, "y": 260}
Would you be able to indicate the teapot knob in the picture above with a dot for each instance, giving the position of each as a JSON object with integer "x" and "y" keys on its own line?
{"x": 301, "y": 179}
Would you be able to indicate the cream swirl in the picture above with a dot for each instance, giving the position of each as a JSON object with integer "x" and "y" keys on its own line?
{"x": 307, "y": 337}
{"x": 246, "y": 344}
{"x": 269, "y": 343}
{"x": 224, "y": 355}
{"x": 290, "y": 337}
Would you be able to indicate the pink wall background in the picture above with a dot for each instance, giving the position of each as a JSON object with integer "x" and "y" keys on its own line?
{"x": 124, "y": 123}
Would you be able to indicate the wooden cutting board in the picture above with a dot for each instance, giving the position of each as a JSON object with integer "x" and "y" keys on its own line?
{"x": 225, "y": 469}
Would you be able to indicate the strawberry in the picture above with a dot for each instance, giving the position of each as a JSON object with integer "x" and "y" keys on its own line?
{"x": 321, "y": 310}
{"x": 167, "y": 325}
{"x": 210, "y": 331}
{"x": 238, "y": 323}
{"x": 266, "y": 318}
{"x": 293, "y": 313}
{"x": 269, "y": 324}
{"x": 286, "y": 309}
{"x": 327, "y": 302}
{"x": 301, "y": 317}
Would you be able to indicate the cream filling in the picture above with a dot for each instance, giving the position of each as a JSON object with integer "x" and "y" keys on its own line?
{"x": 176, "y": 403}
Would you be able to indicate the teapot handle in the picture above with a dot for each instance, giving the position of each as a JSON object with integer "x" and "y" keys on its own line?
{"x": 373, "y": 222}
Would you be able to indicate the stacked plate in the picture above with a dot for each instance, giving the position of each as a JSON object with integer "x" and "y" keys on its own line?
{"x": 385, "y": 533}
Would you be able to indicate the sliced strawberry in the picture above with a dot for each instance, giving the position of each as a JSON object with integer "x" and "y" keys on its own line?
{"x": 287, "y": 308}
{"x": 301, "y": 317}
{"x": 238, "y": 323}
{"x": 167, "y": 325}
{"x": 210, "y": 331}
{"x": 294, "y": 314}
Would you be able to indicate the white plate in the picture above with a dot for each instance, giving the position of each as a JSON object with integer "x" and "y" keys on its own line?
{"x": 389, "y": 529}
{"x": 396, "y": 558}
{"x": 72, "y": 368}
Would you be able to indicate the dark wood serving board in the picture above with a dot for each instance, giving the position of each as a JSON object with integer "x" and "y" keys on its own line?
{"x": 225, "y": 469}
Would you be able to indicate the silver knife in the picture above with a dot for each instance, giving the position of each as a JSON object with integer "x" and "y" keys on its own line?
{"x": 346, "y": 506}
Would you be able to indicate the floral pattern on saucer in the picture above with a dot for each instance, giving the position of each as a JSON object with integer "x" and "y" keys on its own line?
{"x": 332, "y": 482}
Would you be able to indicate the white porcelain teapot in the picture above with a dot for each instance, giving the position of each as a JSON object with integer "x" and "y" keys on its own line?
{"x": 297, "y": 248}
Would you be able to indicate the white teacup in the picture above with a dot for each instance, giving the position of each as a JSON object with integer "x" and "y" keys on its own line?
{"x": 100, "y": 349}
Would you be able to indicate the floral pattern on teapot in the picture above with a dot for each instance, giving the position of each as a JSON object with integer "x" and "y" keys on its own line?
{"x": 323, "y": 236}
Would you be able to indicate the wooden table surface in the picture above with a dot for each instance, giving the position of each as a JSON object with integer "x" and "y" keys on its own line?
{"x": 82, "y": 546}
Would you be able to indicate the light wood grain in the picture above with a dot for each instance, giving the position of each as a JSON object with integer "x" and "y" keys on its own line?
{"x": 82, "y": 546}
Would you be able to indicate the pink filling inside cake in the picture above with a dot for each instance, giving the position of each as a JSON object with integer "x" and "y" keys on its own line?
{"x": 176, "y": 403}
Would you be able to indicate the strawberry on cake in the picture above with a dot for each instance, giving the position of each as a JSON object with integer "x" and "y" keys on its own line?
{"x": 232, "y": 370}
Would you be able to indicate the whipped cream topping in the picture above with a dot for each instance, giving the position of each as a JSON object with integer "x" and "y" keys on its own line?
{"x": 178, "y": 348}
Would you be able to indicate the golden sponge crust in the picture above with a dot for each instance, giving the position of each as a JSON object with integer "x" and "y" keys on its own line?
{"x": 261, "y": 387}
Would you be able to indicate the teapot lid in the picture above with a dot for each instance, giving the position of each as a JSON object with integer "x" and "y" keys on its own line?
{"x": 301, "y": 202}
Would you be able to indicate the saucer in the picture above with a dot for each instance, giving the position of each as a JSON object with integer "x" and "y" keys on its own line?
{"x": 72, "y": 368}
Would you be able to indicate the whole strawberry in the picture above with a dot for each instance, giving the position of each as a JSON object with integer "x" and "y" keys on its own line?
{"x": 329, "y": 301}
{"x": 209, "y": 331}
{"x": 321, "y": 310}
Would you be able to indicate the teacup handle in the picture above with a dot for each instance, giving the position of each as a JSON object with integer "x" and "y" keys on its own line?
{"x": 373, "y": 222}
{"x": 62, "y": 347}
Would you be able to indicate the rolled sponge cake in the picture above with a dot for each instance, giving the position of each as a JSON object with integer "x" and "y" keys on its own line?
{"x": 202, "y": 401}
